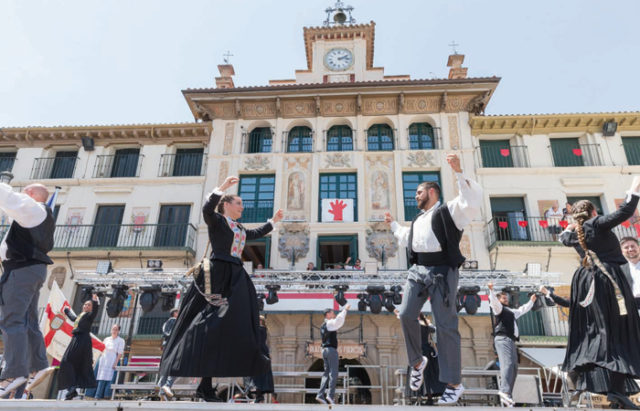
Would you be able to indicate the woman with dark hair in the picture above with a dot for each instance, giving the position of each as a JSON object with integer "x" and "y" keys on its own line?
{"x": 432, "y": 386}
{"x": 216, "y": 332}
{"x": 76, "y": 367}
{"x": 604, "y": 327}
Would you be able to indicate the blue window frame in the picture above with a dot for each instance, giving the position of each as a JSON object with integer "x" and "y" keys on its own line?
{"x": 260, "y": 140}
{"x": 380, "y": 138}
{"x": 256, "y": 192}
{"x": 410, "y": 182}
{"x": 300, "y": 140}
{"x": 340, "y": 138}
{"x": 421, "y": 137}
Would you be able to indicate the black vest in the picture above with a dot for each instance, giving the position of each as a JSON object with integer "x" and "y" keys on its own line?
{"x": 27, "y": 246}
{"x": 448, "y": 236}
{"x": 329, "y": 338}
{"x": 505, "y": 324}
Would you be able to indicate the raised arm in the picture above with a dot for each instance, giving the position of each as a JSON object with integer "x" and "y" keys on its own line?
{"x": 619, "y": 216}
{"x": 22, "y": 208}
{"x": 94, "y": 310}
{"x": 266, "y": 228}
{"x": 70, "y": 314}
{"x": 466, "y": 206}
{"x": 496, "y": 305}
{"x": 401, "y": 233}
{"x": 519, "y": 312}
{"x": 209, "y": 207}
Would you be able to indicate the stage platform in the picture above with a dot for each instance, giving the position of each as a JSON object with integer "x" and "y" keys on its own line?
{"x": 53, "y": 405}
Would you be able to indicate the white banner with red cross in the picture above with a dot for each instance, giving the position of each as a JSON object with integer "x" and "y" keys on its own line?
{"x": 57, "y": 327}
{"x": 337, "y": 210}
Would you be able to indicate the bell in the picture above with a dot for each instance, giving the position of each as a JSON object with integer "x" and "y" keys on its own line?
{"x": 339, "y": 17}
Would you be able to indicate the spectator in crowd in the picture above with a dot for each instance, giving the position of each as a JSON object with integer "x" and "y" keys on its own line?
{"x": 553, "y": 216}
{"x": 631, "y": 252}
{"x": 311, "y": 266}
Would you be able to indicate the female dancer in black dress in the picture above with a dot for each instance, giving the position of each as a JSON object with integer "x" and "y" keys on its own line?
{"x": 76, "y": 367}
{"x": 216, "y": 335}
{"x": 264, "y": 382}
{"x": 604, "y": 327}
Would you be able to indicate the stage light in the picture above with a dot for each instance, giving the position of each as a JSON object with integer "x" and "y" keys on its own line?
{"x": 470, "y": 265}
{"x": 469, "y": 298}
{"x": 340, "y": 289}
{"x": 116, "y": 302}
{"x": 375, "y": 298}
{"x": 272, "y": 298}
{"x": 388, "y": 301}
{"x": 513, "y": 292}
{"x": 362, "y": 303}
{"x": 104, "y": 267}
{"x": 609, "y": 128}
{"x": 397, "y": 297}
{"x": 168, "y": 300}
{"x": 87, "y": 293}
{"x": 154, "y": 265}
{"x": 261, "y": 298}
{"x": 149, "y": 298}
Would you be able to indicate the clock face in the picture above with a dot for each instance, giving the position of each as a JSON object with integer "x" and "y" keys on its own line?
{"x": 338, "y": 59}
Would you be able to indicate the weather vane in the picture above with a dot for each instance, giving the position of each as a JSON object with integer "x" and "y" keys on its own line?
{"x": 226, "y": 56}
{"x": 453, "y": 45}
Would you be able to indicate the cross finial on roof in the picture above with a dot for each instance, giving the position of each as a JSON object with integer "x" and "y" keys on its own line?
{"x": 453, "y": 45}
{"x": 226, "y": 56}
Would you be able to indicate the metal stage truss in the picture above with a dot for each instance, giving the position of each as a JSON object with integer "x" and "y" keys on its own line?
{"x": 314, "y": 281}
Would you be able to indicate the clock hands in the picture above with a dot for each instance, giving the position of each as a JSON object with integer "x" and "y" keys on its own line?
{"x": 346, "y": 56}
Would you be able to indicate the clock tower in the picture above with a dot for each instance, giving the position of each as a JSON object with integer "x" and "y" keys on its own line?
{"x": 340, "y": 51}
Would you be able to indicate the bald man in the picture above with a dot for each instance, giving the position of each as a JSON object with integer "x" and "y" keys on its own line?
{"x": 24, "y": 262}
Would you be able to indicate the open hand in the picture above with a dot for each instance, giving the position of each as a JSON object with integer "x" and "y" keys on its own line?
{"x": 228, "y": 182}
{"x": 388, "y": 218}
{"x": 454, "y": 162}
{"x": 534, "y": 297}
{"x": 278, "y": 216}
{"x": 490, "y": 285}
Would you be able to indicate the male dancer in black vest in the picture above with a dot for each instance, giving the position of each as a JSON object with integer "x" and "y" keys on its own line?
{"x": 329, "y": 332}
{"x": 24, "y": 262}
{"x": 433, "y": 242}
{"x": 505, "y": 335}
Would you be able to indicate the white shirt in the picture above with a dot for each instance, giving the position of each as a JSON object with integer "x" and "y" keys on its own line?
{"x": 554, "y": 216}
{"x": 635, "y": 276}
{"x": 334, "y": 324}
{"x": 464, "y": 208}
{"x": 497, "y": 307}
{"x": 112, "y": 347}
{"x": 23, "y": 209}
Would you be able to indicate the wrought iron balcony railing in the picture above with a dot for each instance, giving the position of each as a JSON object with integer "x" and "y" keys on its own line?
{"x": 512, "y": 156}
{"x": 125, "y": 236}
{"x": 53, "y": 167}
{"x": 118, "y": 165}
{"x": 586, "y": 155}
{"x": 539, "y": 230}
{"x": 178, "y": 165}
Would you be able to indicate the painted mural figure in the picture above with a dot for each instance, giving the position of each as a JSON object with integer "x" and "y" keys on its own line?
{"x": 295, "y": 198}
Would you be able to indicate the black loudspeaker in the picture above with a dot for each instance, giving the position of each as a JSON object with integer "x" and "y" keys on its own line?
{"x": 609, "y": 128}
{"x": 87, "y": 143}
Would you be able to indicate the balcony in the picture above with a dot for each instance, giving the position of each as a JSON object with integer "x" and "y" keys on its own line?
{"x": 180, "y": 165}
{"x": 118, "y": 165}
{"x": 53, "y": 167}
{"x": 419, "y": 141}
{"x": 537, "y": 231}
{"x": 584, "y": 155}
{"x": 126, "y": 237}
{"x": 506, "y": 157}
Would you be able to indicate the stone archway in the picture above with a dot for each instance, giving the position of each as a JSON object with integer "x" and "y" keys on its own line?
{"x": 357, "y": 377}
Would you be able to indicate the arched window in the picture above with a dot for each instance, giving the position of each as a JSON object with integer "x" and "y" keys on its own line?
{"x": 379, "y": 138}
{"x": 421, "y": 137}
{"x": 260, "y": 140}
{"x": 300, "y": 140}
{"x": 339, "y": 138}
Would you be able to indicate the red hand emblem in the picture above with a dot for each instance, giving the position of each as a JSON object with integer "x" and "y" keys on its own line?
{"x": 336, "y": 209}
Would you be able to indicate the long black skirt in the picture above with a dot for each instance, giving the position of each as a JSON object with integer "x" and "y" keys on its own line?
{"x": 76, "y": 367}
{"x": 432, "y": 385}
{"x": 598, "y": 335}
{"x": 205, "y": 345}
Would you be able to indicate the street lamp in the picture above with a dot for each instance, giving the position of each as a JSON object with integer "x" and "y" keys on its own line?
{"x": 6, "y": 177}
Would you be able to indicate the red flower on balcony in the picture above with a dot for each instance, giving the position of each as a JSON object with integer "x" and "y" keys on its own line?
{"x": 543, "y": 223}
{"x": 577, "y": 152}
{"x": 504, "y": 152}
{"x": 523, "y": 223}
{"x": 502, "y": 224}
{"x": 563, "y": 223}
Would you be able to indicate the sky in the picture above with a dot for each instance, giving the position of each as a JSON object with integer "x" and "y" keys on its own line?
{"x": 90, "y": 62}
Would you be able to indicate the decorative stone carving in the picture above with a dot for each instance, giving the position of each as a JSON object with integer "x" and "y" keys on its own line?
{"x": 223, "y": 173}
{"x": 238, "y": 109}
{"x": 478, "y": 103}
{"x": 380, "y": 160}
{"x": 228, "y": 138}
{"x": 454, "y": 136}
{"x": 381, "y": 244}
{"x": 296, "y": 191}
{"x": 379, "y": 190}
{"x": 465, "y": 246}
{"x": 339, "y": 107}
{"x": 256, "y": 163}
{"x": 278, "y": 112}
{"x": 293, "y": 242}
{"x": 263, "y": 109}
{"x": 318, "y": 106}
{"x": 457, "y": 103}
{"x": 379, "y": 105}
{"x": 299, "y": 162}
{"x": 202, "y": 112}
{"x": 298, "y": 108}
{"x": 401, "y": 102}
{"x": 421, "y": 104}
{"x": 421, "y": 159}
{"x": 222, "y": 110}
{"x": 338, "y": 160}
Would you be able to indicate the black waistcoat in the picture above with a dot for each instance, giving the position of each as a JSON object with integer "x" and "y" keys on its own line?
{"x": 447, "y": 234}
{"x": 329, "y": 338}
{"x": 505, "y": 324}
{"x": 30, "y": 245}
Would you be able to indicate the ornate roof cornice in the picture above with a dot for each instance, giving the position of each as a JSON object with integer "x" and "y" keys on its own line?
{"x": 552, "y": 123}
{"x": 106, "y": 134}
